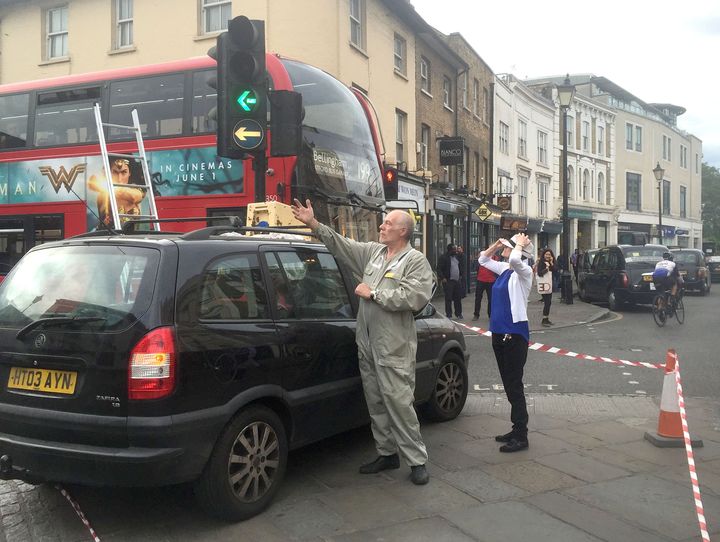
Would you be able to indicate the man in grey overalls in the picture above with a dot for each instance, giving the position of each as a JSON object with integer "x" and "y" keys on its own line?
{"x": 396, "y": 281}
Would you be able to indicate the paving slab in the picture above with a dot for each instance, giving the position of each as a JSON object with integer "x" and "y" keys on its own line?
{"x": 709, "y": 480}
{"x": 619, "y": 458}
{"x": 582, "y": 467}
{"x": 655, "y": 504}
{"x": 532, "y": 476}
{"x": 591, "y": 520}
{"x": 515, "y": 521}
{"x": 306, "y": 519}
{"x": 609, "y": 431}
{"x": 540, "y": 445}
{"x": 435, "y": 497}
{"x": 481, "y": 485}
{"x": 579, "y": 440}
{"x": 434, "y": 529}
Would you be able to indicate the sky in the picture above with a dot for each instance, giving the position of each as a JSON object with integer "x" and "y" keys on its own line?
{"x": 661, "y": 51}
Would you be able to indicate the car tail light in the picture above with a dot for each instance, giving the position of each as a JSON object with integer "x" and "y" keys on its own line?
{"x": 624, "y": 280}
{"x": 151, "y": 372}
{"x": 701, "y": 272}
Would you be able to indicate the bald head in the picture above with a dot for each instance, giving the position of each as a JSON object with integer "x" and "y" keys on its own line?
{"x": 404, "y": 220}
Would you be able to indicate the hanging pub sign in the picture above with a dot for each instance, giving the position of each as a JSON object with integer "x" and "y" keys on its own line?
{"x": 451, "y": 151}
{"x": 505, "y": 203}
{"x": 513, "y": 223}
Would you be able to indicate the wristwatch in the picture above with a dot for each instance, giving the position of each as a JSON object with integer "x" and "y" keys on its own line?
{"x": 373, "y": 294}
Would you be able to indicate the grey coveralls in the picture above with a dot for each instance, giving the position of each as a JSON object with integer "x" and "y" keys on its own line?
{"x": 387, "y": 338}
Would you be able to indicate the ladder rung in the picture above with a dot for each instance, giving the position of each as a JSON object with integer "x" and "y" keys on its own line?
{"x": 125, "y": 215}
{"x": 133, "y": 156}
{"x": 140, "y": 186}
{"x": 122, "y": 126}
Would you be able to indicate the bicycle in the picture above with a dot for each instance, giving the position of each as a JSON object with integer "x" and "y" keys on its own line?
{"x": 665, "y": 305}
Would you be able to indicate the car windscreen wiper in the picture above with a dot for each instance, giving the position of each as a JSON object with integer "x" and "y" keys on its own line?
{"x": 57, "y": 320}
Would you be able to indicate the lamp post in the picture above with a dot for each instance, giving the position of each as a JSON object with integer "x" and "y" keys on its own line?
{"x": 659, "y": 173}
{"x": 565, "y": 92}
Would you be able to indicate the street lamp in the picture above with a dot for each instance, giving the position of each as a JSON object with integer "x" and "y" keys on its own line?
{"x": 659, "y": 173}
{"x": 565, "y": 92}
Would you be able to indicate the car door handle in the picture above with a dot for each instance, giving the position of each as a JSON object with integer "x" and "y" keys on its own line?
{"x": 302, "y": 354}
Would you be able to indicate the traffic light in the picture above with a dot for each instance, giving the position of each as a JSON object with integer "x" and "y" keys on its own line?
{"x": 242, "y": 88}
{"x": 286, "y": 115}
{"x": 390, "y": 184}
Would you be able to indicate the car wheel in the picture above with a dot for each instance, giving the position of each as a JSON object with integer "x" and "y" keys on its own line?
{"x": 612, "y": 300}
{"x": 704, "y": 289}
{"x": 450, "y": 390}
{"x": 246, "y": 466}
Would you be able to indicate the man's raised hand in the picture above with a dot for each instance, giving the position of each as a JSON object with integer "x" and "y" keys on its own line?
{"x": 304, "y": 213}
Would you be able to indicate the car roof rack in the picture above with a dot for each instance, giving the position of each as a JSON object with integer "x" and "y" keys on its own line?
{"x": 207, "y": 233}
{"x": 129, "y": 226}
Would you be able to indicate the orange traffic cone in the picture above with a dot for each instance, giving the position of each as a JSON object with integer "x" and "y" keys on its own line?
{"x": 670, "y": 432}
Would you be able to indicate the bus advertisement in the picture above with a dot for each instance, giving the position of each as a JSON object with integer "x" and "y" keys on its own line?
{"x": 52, "y": 179}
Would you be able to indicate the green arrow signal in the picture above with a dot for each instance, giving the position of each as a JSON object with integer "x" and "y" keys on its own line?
{"x": 247, "y": 100}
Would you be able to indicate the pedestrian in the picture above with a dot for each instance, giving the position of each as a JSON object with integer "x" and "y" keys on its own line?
{"x": 396, "y": 282}
{"x": 510, "y": 329}
{"x": 484, "y": 283}
{"x": 544, "y": 271}
{"x": 574, "y": 259}
{"x": 460, "y": 252}
{"x": 451, "y": 275}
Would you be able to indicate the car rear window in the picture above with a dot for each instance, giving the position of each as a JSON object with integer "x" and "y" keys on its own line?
{"x": 110, "y": 283}
{"x": 686, "y": 258}
{"x": 643, "y": 254}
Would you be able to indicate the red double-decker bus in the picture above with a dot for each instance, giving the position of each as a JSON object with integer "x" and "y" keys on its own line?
{"x": 51, "y": 170}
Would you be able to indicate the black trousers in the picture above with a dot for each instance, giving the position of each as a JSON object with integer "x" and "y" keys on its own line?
{"x": 453, "y": 296}
{"x": 547, "y": 299}
{"x": 481, "y": 287}
{"x": 511, "y": 356}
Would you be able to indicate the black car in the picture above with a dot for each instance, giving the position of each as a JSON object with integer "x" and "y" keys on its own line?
{"x": 585, "y": 265}
{"x": 713, "y": 263}
{"x": 621, "y": 274}
{"x": 156, "y": 359}
{"x": 691, "y": 265}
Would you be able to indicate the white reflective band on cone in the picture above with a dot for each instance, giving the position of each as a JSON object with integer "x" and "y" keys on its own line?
{"x": 669, "y": 399}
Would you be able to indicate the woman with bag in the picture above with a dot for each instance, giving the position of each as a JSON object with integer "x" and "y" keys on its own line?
{"x": 544, "y": 271}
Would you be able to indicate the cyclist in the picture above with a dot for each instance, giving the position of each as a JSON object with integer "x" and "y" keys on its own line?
{"x": 666, "y": 275}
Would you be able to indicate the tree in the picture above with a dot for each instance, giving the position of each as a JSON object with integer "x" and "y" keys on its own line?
{"x": 711, "y": 202}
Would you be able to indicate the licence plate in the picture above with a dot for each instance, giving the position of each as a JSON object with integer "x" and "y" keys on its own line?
{"x": 652, "y": 285}
{"x": 647, "y": 278}
{"x": 683, "y": 273}
{"x": 42, "y": 380}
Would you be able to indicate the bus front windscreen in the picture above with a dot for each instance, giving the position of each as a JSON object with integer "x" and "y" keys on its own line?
{"x": 339, "y": 156}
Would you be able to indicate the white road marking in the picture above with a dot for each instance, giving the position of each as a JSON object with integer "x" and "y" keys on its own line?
{"x": 633, "y": 382}
{"x": 627, "y": 374}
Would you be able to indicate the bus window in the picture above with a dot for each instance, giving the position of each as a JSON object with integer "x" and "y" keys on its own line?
{"x": 48, "y": 228}
{"x": 66, "y": 117}
{"x": 204, "y": 99}
{"x": 159, "y": 103}
{"x": 13, "y": 121}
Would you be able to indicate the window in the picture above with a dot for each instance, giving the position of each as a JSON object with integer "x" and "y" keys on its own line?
{"x": 629, "y": 137}
{"x": 466, "y": 166}
{"x": 64, "y": 117}
{"x": 485, "y": 173}
{"x": 666, "y": 198}
{"x": 123, "y": 23}
{"x": 543, "y": 198}
{"x": 476, "y": 155}
{"x": 504, "y": 137}
{"x": 683, "y": 156}
{"x": 424, "y": 146}
{"x": 400, "y": 54}
{"x": 400, "y": 127}
{"x": 158, "y": 100}
{"x": 523, "y": 192}
{"x": 638, "y": 138}
{"x": 447, "y": 92}
{"x": 570, "y": 181}
{"x": 233, "y": 290}
{"x": 308, "y": 284}
{"x": 522, "y": 139}
{"x": 683, "y": 202}
{"x": 570, "y": 125}
{"x": 585, "y": 135}
{"x": 357, "y": 23}
{"x": 632, "y": 195}
{"x": 586, "y": 191}
{"x": 486, "y": 105}
{"x": 542, "y": 148}
{"x": 425, "y": 74}
{"x": 464, "y": 88}
{"x": 476, "y": 97}
{"x": 13, "y": 120}
{"x": 600, "y": 188}
{"x": 215, "y": 15}
{"x": 601, "y": 140}
{"x": 667, "y": 145}
{"x": 56, "y": 32}
{"x": 204, "y": 99}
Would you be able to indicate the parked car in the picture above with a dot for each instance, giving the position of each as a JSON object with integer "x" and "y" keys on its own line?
{"x": 585, "y": 265}
{"x": 713, "y": 264}
{"x": 616, "y": 275}
{"x": 156, "y": 359}
{"x": 691, "y": 264}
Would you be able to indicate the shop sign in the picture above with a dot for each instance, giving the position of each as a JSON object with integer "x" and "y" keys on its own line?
{"x": 582, "y": 214}
{"x": 483, "y": 212}
{"x": 451, "y": 151}
{"x": 413, "y": 192}
{"x": 505, "y": 203}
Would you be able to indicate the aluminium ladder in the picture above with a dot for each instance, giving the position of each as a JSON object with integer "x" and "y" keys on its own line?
{"x": 117, "y": 217}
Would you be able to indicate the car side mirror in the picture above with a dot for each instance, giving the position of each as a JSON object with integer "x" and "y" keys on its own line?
{"x": 428, "y": 311}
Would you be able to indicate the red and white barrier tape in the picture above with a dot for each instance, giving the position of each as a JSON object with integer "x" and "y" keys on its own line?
{"x": 540, "y": 347}
{"x": 690, "y": 457}
{"x": 79, "y": 512}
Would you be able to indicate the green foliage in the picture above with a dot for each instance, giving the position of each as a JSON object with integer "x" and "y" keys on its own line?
{"x": 711, "y": 203}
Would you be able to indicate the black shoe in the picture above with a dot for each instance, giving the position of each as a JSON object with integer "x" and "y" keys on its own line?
{"x": 459, "y": 317}
{"x": 476, "y": 317}
{"x": 514, "y": 445}
{"x": 507, "y": 437}
{"x": 383, "y": 462}
{"x": 419, "y": 475}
